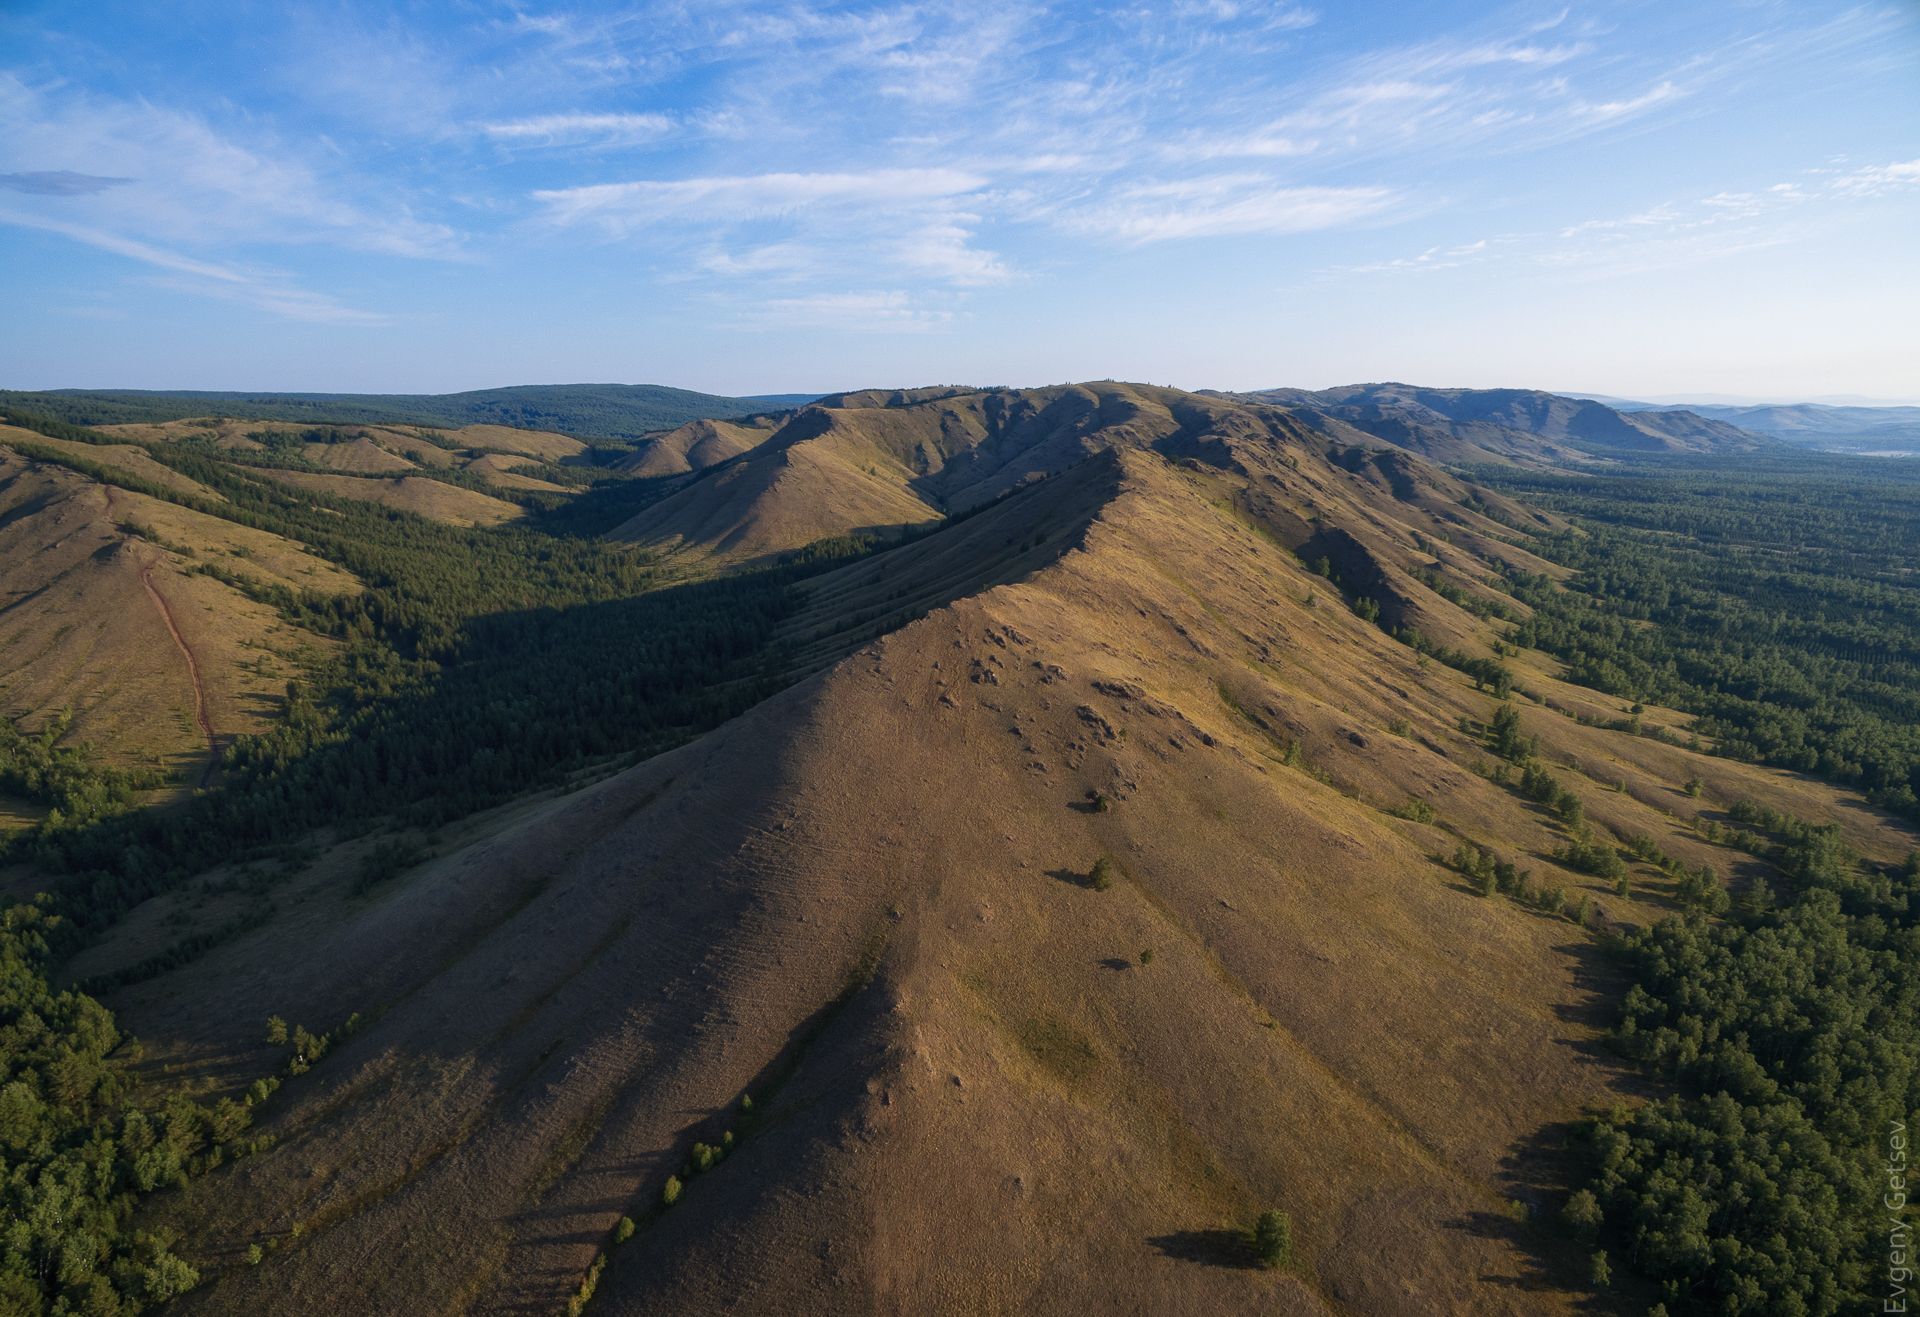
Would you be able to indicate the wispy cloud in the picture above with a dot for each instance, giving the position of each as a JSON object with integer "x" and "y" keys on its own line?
{"x": 1224, "y": 205}
{"x": 1677, "y": 233}
{"x": 890, "y": 312}
{"x": 623, "y": 206}
{"x": 59, "y": 183}
{"x": 186, "y": 183}
{"x": 581, "y": 129}
{"x": 904, "y": 221}
{"x": 1877, "y": 180}
{"x": 1632, "y": 105}
{"x": 262, "y": 290}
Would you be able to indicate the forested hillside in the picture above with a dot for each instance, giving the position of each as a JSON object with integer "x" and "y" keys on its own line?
{"x": 1784, "y": 598}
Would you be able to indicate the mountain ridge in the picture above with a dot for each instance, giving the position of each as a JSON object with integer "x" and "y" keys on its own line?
{"x": 1457, "y": 424}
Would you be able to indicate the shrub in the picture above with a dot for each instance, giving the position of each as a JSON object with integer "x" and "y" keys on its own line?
{"x": 1101, "y": 877}
{"x": 1415, "y": 811}
{"x": 670, "y": 1191}
{"x": 1583, "y": 1214}
{"x": 1273, "y": 1238}
{"x": 1586, "y": 856}
{"x": 1146, "y": 957}
{"x": 623, "y": 1230}
{"x": 1700, "y": 889}
{"x": 1504, "y": 734}
{"x": 387, "y": 860}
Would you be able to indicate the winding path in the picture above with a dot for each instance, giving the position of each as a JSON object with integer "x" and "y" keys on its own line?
{"x": 186, "y": 652}
{"x": 193, "y": 671}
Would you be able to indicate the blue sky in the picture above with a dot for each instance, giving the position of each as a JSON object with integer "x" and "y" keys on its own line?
{"x": 1632, "y": 197}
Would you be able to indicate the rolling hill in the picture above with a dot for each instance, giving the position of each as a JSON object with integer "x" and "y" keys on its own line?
{"x": 1820, "y": 425}
{"x": 1088, "y": 885}
{"x": 881, "y": 462}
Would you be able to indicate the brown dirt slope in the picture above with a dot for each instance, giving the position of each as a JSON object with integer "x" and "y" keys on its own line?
{"x": 101, "y": 611}
{"x": 867, "y": 904}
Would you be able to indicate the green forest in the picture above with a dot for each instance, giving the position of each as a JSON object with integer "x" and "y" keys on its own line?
{"x": 588, "y": 411}
{"x": 1780, "y": 603}
{"x": 1783, "y": 598}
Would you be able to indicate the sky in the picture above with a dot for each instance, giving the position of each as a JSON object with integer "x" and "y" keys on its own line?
{"x": 1627, "y": 197}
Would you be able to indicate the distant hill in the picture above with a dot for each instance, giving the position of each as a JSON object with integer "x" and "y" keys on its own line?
{"x": 879, "y": 461}
{"x": 587, "y": 411}
{"x": 1814, "y": 425}
{"x": 1454, "y": 425}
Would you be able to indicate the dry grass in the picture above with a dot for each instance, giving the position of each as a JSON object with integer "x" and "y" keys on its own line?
{"x": 419, "y": 495}
{"x": 698, "y": 445}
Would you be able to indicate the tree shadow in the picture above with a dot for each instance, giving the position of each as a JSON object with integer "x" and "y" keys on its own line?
{"x": 1534, "y": 1174}
{"x": 1115, "y": 963}
{"x": 1212, "y": 1248}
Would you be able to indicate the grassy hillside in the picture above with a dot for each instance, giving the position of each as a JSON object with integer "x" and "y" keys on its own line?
{"x": 1196, "y": 814}
{"x": 878, "y": 462}
{"x": 136, "y": 622}
{"x": 588, "y": 411}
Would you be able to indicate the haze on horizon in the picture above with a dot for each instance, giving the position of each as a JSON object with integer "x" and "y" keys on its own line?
{"x": 1607, "y": 197}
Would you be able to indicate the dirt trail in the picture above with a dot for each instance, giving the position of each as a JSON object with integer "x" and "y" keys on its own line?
{"x": 193, "y": 672}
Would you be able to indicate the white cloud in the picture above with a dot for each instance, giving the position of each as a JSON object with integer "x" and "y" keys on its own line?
{"x": 1632, "y": 105}
{"x": 943, "y": 250}
{"x": 1674, "y": 234}
{"x": 903, "y": 222}
{"x": 1878, "y": 180}
{"x": 264, "y": 291}
{"x": 620, "y": 207}
{"x": 188, "y": 184}
{"x": 1225, "y": 205}
{"x": 581, "y": 129}
{"x": 872, "y": 312}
